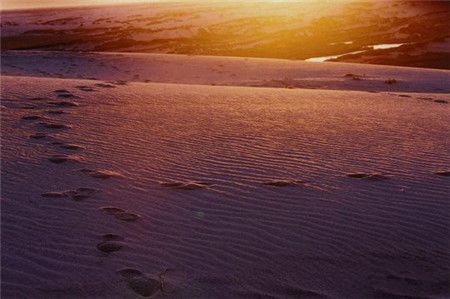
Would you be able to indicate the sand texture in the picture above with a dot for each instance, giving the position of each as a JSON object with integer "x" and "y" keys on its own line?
{"x": 120, "y": 188}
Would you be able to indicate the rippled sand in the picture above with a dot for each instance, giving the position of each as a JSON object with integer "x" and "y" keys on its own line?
{"x": 190, "y": 191}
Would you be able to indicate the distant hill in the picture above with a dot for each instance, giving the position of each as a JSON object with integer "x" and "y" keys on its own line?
{"x": 273, "y": 30}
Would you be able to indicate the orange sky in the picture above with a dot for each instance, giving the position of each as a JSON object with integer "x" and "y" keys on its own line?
{"x": 16, "y": 4}
{"x": 21, "y": 4}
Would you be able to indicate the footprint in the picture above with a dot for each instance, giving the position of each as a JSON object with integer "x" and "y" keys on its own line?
{"x": 63, "y": 93}
{"x": 145, "y": 286}
{"x": 38, "y": 99}
{"x": 76, "y": 195}
{"x": 105, "y": 85}
{"x": 442, "y": 172}
{"x": 284, "y": 183}
{"x": 127, "y": 216}
{"x": 112, "y": 210}
{"x": 129, "y": 273}
{"x": 441, "y": 101}
{"x": 121, "y": 214}
{"x": 63, "y": 103}
{"x": 38, "y": 136}
{"x": 81, "y": 193}
{"x": 57, "y": 112}
{"x": 119, "y": 82}
{"x": 185, "y": 185}
{"x": 58, "y": 159}
{"x": 32, "y": 117}
{"x": 85, "y": 88}
{"x": 27, "y": 107}
{"x": 370, "y": 176}
{"x": 353, "y": 76}
{"x": 101, "y": 174}
{"x": 54, "y": 126}
{"x": 109, "y": 246}
{"x": 112, "y": 237}
{"x": 54, "y": 194}
{"x": 390, "y": 81}
{"x": 67, "y": 96}
{"x": 71, "y": 146}
{"x": 140, "y": 283}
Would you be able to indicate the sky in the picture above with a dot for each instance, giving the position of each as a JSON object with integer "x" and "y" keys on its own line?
{"x": 21, "y": 4}
{"x": 18, "y": 4}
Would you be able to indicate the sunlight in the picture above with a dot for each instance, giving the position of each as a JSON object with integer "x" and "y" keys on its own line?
{"x": 19, "y": 4}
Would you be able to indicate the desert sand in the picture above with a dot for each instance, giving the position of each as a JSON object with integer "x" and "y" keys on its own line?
{"x": 173, "y": 176}
{"x": 229, "y": 71}
{"x": 191, "y": 150}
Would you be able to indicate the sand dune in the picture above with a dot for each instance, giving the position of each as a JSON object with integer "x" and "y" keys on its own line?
{"x": 290, "y": 202}
{"x": 119, "y": 68}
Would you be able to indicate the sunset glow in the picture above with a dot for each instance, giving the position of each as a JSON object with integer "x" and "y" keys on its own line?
{"x": 18, "y": 4}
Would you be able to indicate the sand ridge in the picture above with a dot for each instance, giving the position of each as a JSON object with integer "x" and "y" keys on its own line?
{"x": 116, "y": 69}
